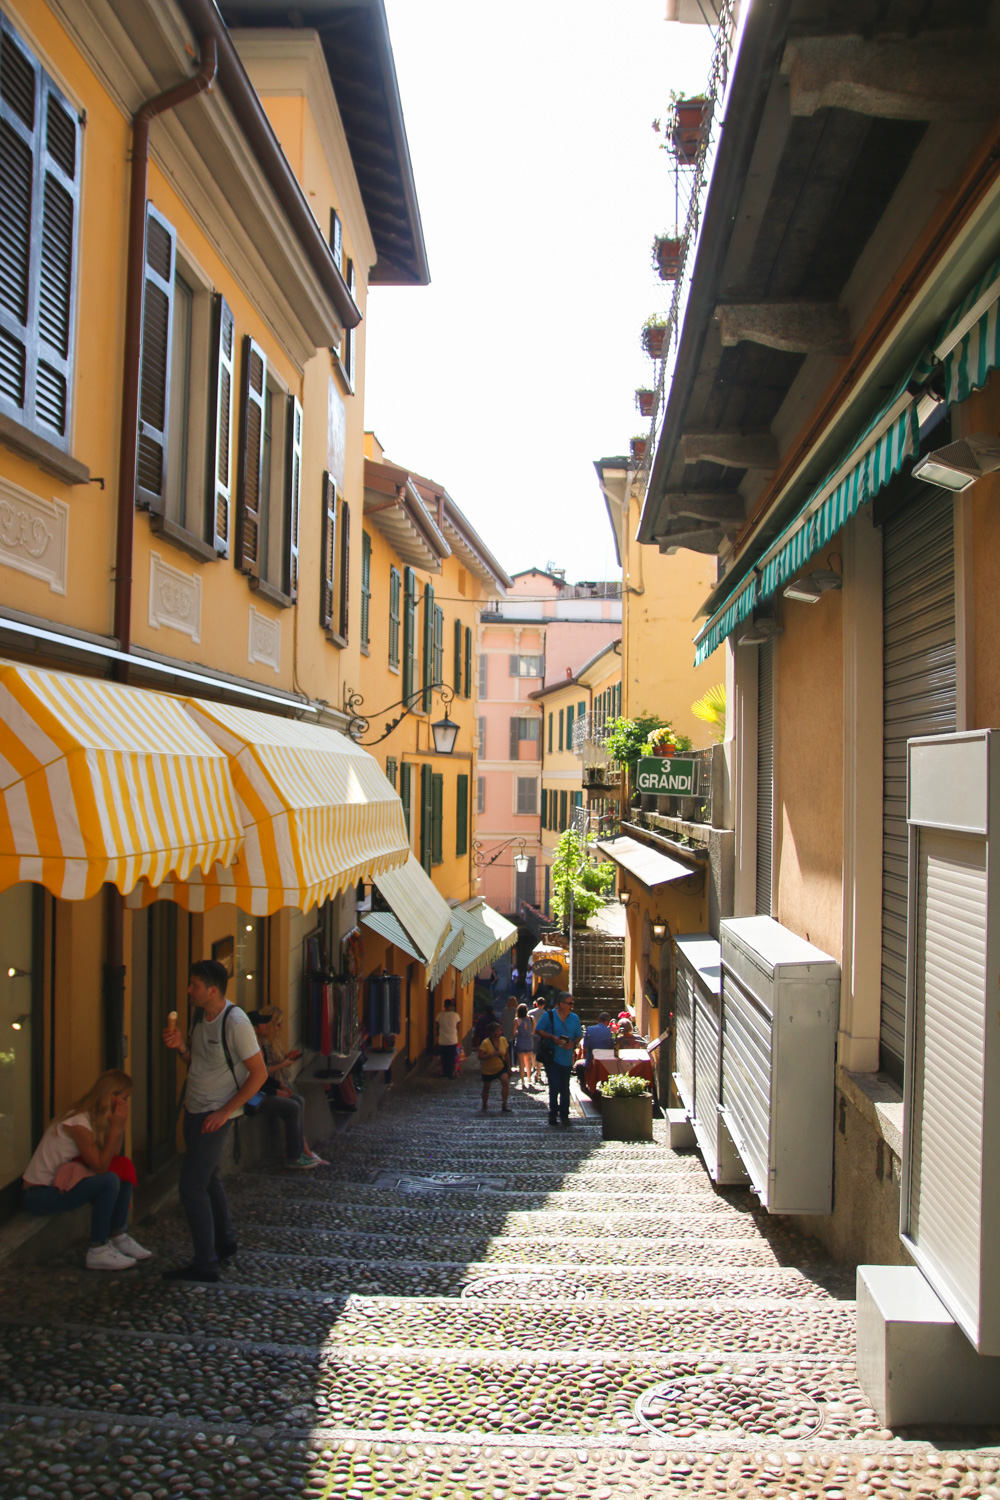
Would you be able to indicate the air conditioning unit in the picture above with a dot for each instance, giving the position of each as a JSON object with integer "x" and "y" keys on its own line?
{"x": 697, "y": 1032}
{"x": 780, "y": 1013}
{"x": 950, "y": 1192}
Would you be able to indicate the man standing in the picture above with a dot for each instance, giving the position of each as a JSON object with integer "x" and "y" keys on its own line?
{"x": 225, "y": 1069}
{"x": 446, "y": 1036}
{"x": 564, "y": 1028}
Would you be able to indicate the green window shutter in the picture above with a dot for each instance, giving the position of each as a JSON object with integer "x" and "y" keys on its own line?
{"x": 345, "y": 567}
{"x": 293, "y": 486}
{"x": 437, "y": 818}
{"x": 550, "y": 734}
{"x": 569, "y": 727}
{"x": 409, "y": 634}
{"x": 390, "y": 769}
{"x": 154, "y": 368}
{"x": 427, "y": 679}
{"x": 394, "y": 600}
{"x": 563, "y": 811}
{"x": 438, "y": 672}
{"x": 560, "y": 729}
{"x": 462, "y": 816}
{"x": 406, "y": 794}
{"x": 577, "y": 799}
{"x": 468, "y": 662}
{"x": 426, "y": 818}
{"x": 545, "y": 807}
{"x": 458, "y": 656}
{"x": 581, "y": 709}
{"x": 221, "y": 423}
{"x": 366, "y": 589}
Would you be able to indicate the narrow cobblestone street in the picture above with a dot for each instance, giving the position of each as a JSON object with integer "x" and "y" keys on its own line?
{"x": 463, "y": 1306}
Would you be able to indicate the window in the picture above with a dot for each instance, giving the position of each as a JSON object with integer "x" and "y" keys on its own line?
{"x": 481, "y": 732}
{"x": 328, "y": 549}
{"x": 527, "y": 666}
{"x": 523, "y": 730}
{"x": 438, "y": 675}
{"x": 550, "y": 733}
{"x": 468, "y": 661}
{"x": 270, "y": 460}
{"x": 405, "y": 796}
{"x": 480, "y": 794}
{"x": 458, "y": 657}
{"x": 482, "y": 674}
{"x": 427, "y": 699}
{"x": 545, "y": 808}
{"x": 527, "y": 794}
{"x": 39, "y": 205}
{"x": 345, "y": 569}
{"x": 409, "y": 634}
{"x": 350, "y": 339}
{"x": 560, "y": 729}
{"x": 390, "y": 769}
{"x": 366, "y": 589}
{"x": 437, "y": 818}
{"x": 462, "y": 815}
{"x": 563, "y": 810}
{"x": 395, "y": 590}
{"x": 337, "y": 250}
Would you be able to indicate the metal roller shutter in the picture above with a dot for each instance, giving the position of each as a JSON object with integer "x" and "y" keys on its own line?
{"x": 708, "y": 1037}
{"x": 919, "y": 697}
{"x": 684, "y": 1032}
{"x": 765, "y": 775}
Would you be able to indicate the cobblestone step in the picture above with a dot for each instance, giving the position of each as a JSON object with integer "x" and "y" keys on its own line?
{"x": 299, "y": 1188}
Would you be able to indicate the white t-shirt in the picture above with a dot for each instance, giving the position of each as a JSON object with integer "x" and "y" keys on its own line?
{"x": 210, "y": 1084}
{"x": 54, "y": 1150}
{"x": 447, "y": 1024}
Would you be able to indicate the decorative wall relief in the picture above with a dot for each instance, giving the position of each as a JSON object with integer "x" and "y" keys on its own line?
{"x": 265, "y": 640}
{"x": 174, "y": 598}
{"x": 34, "y": 535}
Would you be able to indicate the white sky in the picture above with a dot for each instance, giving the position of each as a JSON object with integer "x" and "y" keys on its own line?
{"x": 541, "y": 186}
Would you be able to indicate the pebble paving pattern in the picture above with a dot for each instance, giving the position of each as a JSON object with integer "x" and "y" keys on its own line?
{"x": 464, "y": 1308}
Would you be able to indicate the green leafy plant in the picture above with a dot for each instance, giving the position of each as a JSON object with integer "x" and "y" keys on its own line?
{"x": 711, "y": 709}
{"x": 624, "y": 1086}
{"x": 665, "y": 736}
{"x": 624, "y": 738}
{"x": 573, "y": 871}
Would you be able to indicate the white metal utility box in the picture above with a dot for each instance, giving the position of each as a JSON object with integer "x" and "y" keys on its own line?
{"x": 698, "y": 1032}
{"x": 950, "y": 1198}
{"x": 780, "y": 1013}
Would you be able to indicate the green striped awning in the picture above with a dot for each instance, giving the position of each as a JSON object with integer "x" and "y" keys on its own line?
{"x": 968, "y": 364}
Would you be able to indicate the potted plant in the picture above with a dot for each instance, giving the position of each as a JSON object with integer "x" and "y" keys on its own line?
{"x": 626, "y": 1108}
{"x": 668, "y": 255}
{"x": 684, "y": 131}
{"x": 645, "y": 400}
{"x": 638, "y": 445}
{"x": 654, "y": 335}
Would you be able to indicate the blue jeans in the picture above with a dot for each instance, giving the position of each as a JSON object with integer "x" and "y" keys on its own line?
{"x": 559, "y": 1076}
{"x": 203, "y": 1198}
{"x": 109, "y": 1199}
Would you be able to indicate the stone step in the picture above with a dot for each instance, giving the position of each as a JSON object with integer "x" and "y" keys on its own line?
{"x": 319, "y": 1188}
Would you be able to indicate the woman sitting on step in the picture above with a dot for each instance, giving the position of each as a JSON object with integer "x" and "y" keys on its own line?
{"x": 78, "y": 1161}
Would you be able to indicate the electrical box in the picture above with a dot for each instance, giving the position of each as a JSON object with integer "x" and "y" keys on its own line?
{"x": 780, "y": 1013}
{"x": 698, "y": 1031}
{"x": 950, "y": 1197}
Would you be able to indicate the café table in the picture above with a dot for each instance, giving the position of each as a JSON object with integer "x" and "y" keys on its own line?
{"x": 604, "y": 1062}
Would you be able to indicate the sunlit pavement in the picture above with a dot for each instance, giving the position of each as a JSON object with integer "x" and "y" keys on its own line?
{"x": 463, "y": 1305}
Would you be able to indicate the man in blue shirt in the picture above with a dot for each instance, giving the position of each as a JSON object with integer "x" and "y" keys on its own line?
{"x": 600, "y": 1036}
{"x": 564, "y": 1027}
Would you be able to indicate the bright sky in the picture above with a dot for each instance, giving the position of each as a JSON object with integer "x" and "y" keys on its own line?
{"x": 541, "y": 186}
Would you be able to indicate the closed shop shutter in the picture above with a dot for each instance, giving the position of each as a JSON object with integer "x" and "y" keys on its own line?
{"x": 919, "y": 697}
{"x": 765, "y": 775}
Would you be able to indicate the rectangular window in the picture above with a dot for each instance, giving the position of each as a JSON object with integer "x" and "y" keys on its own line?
{"x": 527, "y": 794}
{"x": 551, "y": 716}
{"x": 366, "y": 589}
{"x": 270, "y": 462}
{"x": 527, "y": 666}
{"x": 438, "y": 644}
{"x": 39, "y": 210}
{"x": 560, "y": 729}
{"x": 350, "y": 341}
{"x": 409, "y": 634}
{"x": 395, "y": 591}
{"x": 482, "y": 675}
{"x": 457, "y": 679}
{"x": 437, "y": 818}
{"x": 406, "y": 796}
{"x": 481, "y": 733}
{"x": 563, "y": 810}
{"x": 480, "y": 794}
{"x": 545, "y": 808}
{"x": 468, "y": 661}
{"x": 462, "y": 815}
{"x": 390, "y": 769}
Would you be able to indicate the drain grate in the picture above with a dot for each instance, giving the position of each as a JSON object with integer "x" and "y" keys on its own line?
{"x": 792, "y": 1401}
{"x": 437, "y": 1182}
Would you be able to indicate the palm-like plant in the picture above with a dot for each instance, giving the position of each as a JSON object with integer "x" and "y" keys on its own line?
{"x": 711, "y": 709}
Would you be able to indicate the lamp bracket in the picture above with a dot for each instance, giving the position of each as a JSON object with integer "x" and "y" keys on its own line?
{"x": 360, "y": 723}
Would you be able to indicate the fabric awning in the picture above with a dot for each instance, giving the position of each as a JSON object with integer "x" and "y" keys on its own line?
{"x": 645, "y": 864}
{"x": 420, "y": 920}
{"x": 486, "y": 934}
{"x": 317, "y": 810}
{"x": 100, "y": 782}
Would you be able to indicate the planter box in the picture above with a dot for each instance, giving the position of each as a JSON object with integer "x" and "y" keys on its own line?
{"x": 669, "y": 254}
{"x": 627, "y": 1119}
{"x": 646, "y": 401}
{"x": 685, "y": 134}
{"x": 638, "y": 446}
{"x": 653, "y": 340}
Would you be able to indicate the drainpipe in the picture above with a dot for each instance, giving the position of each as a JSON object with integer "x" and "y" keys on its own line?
{"x": 134, "y": 277}
{"x": 113, "y": 986}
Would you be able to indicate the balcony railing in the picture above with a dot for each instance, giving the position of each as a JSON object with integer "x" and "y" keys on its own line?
{"x": 698, "y": 807}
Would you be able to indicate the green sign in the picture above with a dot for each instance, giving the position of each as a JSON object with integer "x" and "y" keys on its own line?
{"x": 666, "y": 776}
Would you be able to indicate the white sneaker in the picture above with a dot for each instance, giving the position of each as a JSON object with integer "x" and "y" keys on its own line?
{"x": 107, "y": 1258}
{"x": 126, "y": 1245}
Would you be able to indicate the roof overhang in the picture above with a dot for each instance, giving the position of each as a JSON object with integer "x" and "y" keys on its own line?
{"x": 393, "y": 505}
{"x": 646, "y": 865}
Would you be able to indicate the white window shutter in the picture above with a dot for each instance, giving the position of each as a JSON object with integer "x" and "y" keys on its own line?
{"x": 220, "y": 439}
{"x": 154, "y": 369}
{"x": 292, "y": 489}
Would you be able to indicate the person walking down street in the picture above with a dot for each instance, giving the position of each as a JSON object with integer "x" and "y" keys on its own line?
{"x": 280, "y": 1099}
{"x": 524, "y": 1045}
{"x": 78, "y": 1161}
{"x": 446, "y": 1036}
{"x": 508, "y": 1019}
{"x": 530, "y": 979}
{"x": 494, "y": 1061}
{"x": 564, "y": 1029}
{"x": 534, "y": 1016}
{"x": 225, "y": 1069}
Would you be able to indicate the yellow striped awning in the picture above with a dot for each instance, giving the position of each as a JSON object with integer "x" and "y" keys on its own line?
{"x": 420, "y": 919}
{"x": 317, "y": 810}
{"x": 100, "y": 782}
{"x": 487, "y": 935}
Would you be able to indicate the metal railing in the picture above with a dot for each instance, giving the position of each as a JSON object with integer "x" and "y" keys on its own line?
{"x": 698, "y": 807}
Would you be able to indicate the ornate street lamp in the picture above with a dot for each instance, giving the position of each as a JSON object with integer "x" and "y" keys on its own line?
{"x": 444, "y": 731}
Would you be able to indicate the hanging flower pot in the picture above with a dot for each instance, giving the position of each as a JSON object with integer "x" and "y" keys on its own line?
{"x": 654, "y": 338}
{"x": 645, "y": 400}
{"x": 668, "y": 255}
{"x": 639, "y": 446}
{"x": 685, "y": 129}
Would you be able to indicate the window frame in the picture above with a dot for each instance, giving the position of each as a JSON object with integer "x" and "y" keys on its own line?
{"x": 520, "y": 784}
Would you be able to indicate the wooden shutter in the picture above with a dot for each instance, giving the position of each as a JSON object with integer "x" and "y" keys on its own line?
{"x": 39, "y": 209}
{"x": 462, "y": 816}
{"x": 345, "y": 568}
{"x": 154, "y": 369}
{"x": 337, "y": 251}
{"x": 366, "y": 588}
{"x": 468, "y": 661}
{"x": 437, "y": 818}
{"x": 250, "y": 471}
{"x": 545, "y": 808}
{"x": 458, "y": 656}
{"x": 438, "y": 673}
{"x": 406, "y": 794}
{"x": 514, "y": 665}
{"x": 569, "y": 727}
{"x": 563, "y": 811}
{"x": 550, "y": 733}
{"x": 293, "y": 486}
{"x": 426, "y": 818}
{"x": 390, "y": 770}
{"x": 394, "y": 603}
{"x": 560, "y": 729}
{"x": 220, "y": 434}
{"x": 328, "y": 550}
{"x": 428, "y": 673}
{"x": 349, "y": 341}
{"x": 409, "y": 634}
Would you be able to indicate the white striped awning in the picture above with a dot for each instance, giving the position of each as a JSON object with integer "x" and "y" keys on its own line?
{"x": 486, "y": 934}
{"x": 317, "y": 810}
{"x": 648, "y": 867}
{"x": 100, "y": 782}
{"x": 420, "y": 919}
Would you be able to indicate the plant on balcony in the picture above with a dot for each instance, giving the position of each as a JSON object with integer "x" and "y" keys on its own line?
{"x": 664, "y": 741}
{"x": 573, "y": 872}
{"x": 684, "y": 128}
{"x": 668, "y": 255}
{"x": 624, "y": 738}
{"x": 711, "y": 709}
{"x": 638, "y": 445}
{"x": 654, "y": 335}
{"x": 645, "y": 400}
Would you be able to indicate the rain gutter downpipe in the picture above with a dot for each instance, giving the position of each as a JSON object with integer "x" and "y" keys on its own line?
{"x": 134, "y": 278}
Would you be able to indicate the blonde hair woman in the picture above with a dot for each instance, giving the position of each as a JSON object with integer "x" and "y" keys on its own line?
{"x": 92, "y": 1130}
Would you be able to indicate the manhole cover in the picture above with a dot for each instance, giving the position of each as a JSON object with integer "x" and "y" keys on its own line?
{"x": 736, "y": 1402}
{"x": 555, "y": 1288}
{"x": 436, "y": 1182}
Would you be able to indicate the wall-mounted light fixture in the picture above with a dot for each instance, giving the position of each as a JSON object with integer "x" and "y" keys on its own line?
{"x": 520, "y": 858}
{"x": 13, "y": 973}
{"x": 19, "y": 1022}
{"x": 957, "y": 465}
{"x": 445, "y": 731}
{"x": 762, "y": 628}
{"x": 659, "y": 930}
{"x": 624, "y": 897}
{"x": 811, "y": 588}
